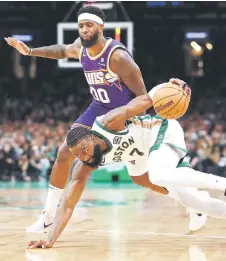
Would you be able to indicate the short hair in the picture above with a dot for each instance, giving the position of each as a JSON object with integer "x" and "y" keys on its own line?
{"x": 76, "y": 134}
{"x": 92, "y": 10}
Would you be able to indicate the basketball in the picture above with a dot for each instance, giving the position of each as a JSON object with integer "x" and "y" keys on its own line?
{"x": 171, "y": 102}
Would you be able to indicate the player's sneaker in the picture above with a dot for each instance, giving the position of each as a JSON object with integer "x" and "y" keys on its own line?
{"x": 41, "y": 225}
{"x": 197, "y": 220}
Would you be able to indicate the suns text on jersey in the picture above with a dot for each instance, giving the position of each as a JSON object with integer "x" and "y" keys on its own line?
{"x": 95, "y": 78}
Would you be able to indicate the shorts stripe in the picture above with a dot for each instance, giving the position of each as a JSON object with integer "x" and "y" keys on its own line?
{"x": 160, "y": 136}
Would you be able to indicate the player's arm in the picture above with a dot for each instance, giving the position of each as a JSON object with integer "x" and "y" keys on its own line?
{"x": 143, "y": 180}
{"x": 115, "y": 119}
{"x": 64, "y": 212}
{"x": 57, "y": 51}
{"x": 124, "y": 66}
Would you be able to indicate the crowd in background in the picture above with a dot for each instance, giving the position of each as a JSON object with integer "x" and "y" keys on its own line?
{"x": 37, "y": 110}
{"x": 31, "y": 131}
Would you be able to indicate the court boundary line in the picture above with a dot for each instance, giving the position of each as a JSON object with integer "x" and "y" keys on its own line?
{"x": 173, "y": 235}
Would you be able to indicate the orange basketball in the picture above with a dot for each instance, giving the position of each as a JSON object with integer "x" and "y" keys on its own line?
{"x": 171, "y": 102}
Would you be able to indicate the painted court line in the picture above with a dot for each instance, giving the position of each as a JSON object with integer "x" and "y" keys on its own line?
{"x": 22, "y": 229}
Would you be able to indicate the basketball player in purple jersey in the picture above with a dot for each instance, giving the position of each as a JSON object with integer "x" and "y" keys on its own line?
{"x": 113, "y": 77}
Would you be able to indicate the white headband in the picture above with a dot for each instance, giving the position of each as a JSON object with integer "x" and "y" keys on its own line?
{"x": 92, "y": 17}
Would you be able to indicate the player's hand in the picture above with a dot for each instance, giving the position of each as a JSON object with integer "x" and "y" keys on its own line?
{"x": 19, "y": 45}
{"x": 40, "y": 244}
{"x": 183, "y": 84}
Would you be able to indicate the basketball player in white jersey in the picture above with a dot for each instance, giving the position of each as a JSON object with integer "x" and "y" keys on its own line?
{"x": 148, "y": 146}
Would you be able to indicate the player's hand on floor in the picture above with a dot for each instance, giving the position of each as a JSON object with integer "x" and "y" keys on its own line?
{"x": 19, "y": 45}
{"x": 183, "y": 84}
{"x": 40, "y": 244}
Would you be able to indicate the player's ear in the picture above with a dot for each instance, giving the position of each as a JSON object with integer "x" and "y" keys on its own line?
{"x": 101, "y": 28}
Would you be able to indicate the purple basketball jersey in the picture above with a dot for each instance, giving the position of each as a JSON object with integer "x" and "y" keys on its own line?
{"x": 106, "y": 88}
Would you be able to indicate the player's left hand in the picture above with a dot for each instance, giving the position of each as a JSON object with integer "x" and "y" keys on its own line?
{"x": 40, "y": 244}
{"x": 183, "y": 84}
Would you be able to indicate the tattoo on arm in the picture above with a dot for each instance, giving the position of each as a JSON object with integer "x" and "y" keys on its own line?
{"x": 62, "y": 53}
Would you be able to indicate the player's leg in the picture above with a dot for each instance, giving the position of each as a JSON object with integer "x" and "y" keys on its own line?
{"x": 144, "y": 181}
{"x": 58, "y": 180}
{"x": 163, "y": 173}
{"x": 199, "y": 201}
{"x": 60, "y": 172}
{"x": 197, "y": 220}
{"x": 166, "y": 153}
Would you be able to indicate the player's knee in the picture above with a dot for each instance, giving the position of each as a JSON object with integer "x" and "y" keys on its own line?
{"x": 184, "y": 198}
{"x": 64, "y": 153}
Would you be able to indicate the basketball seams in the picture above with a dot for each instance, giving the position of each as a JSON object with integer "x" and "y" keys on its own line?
{"x": 174, "y": 105}
{"x": 169, "y": 95}
{"x": 179, "y": 106}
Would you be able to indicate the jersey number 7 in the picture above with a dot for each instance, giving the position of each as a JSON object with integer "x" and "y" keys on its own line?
{"x": 135, "y": 150}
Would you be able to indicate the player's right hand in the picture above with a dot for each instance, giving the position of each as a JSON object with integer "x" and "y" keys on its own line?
{"x": 183, "y": 84}
{"x": 19, "y": 45}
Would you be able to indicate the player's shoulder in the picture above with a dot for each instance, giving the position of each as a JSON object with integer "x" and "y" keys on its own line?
{"x": 119, "y": 51}
{"x": 120, "y": 56}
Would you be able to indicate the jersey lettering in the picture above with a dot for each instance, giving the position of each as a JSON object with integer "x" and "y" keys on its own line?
{"x": 94, "y": 78}
{"x": 119, "y": 151}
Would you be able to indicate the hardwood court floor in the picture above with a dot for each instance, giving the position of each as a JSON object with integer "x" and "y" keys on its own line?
{"x": 123, "y": 223}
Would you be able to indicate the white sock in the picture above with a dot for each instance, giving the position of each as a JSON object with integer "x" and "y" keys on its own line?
{"x": 185, "y": 177}
{"x": 52, "y": 201}
{"x": 194, "y": 199}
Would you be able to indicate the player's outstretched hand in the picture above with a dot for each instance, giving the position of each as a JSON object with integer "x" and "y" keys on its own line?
{"x": 183, "y": 84}
{"x": 19, "y": 45}
{"x": 40, "y": 244}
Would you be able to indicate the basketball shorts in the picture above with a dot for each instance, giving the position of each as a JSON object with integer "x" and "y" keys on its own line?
{"x": 88, "y": 117}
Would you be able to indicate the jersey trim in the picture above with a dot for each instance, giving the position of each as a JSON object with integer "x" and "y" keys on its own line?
{"x": 80, "y": 54}
{"x": 158, "y": 117}
{"x": 145, "y": 117}
{"x": 176, "y": 147}
{"x": 183, "y": 163}
{"x": 105, "y": 139}
{"x": 160, "y": 136}
{"x": 102, "y": 51}
{"x": 108, "y": 60}
{"x": 123, "y": 132}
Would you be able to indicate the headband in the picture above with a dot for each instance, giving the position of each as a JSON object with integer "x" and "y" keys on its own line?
{"x": 92, "y": 17}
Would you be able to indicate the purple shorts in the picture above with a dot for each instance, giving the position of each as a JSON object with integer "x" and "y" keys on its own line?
{"x": 89, "y": 116}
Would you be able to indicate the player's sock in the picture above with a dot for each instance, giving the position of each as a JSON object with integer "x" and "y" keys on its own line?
{"x": 186, "y": 177}
{"x": 196, "y": 200}
{"x": 52, "y": 201}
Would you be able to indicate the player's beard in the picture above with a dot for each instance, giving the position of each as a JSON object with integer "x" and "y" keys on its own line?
{"x": 92, "y": 41}
{"x": 97, "y": 158}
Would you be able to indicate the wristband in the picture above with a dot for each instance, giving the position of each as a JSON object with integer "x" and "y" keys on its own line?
{"x": 30, "y": 52}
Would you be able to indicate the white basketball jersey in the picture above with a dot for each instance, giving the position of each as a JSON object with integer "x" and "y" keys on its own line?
{"x": 141, "y": 136}
{"x": 130, "y": 146}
